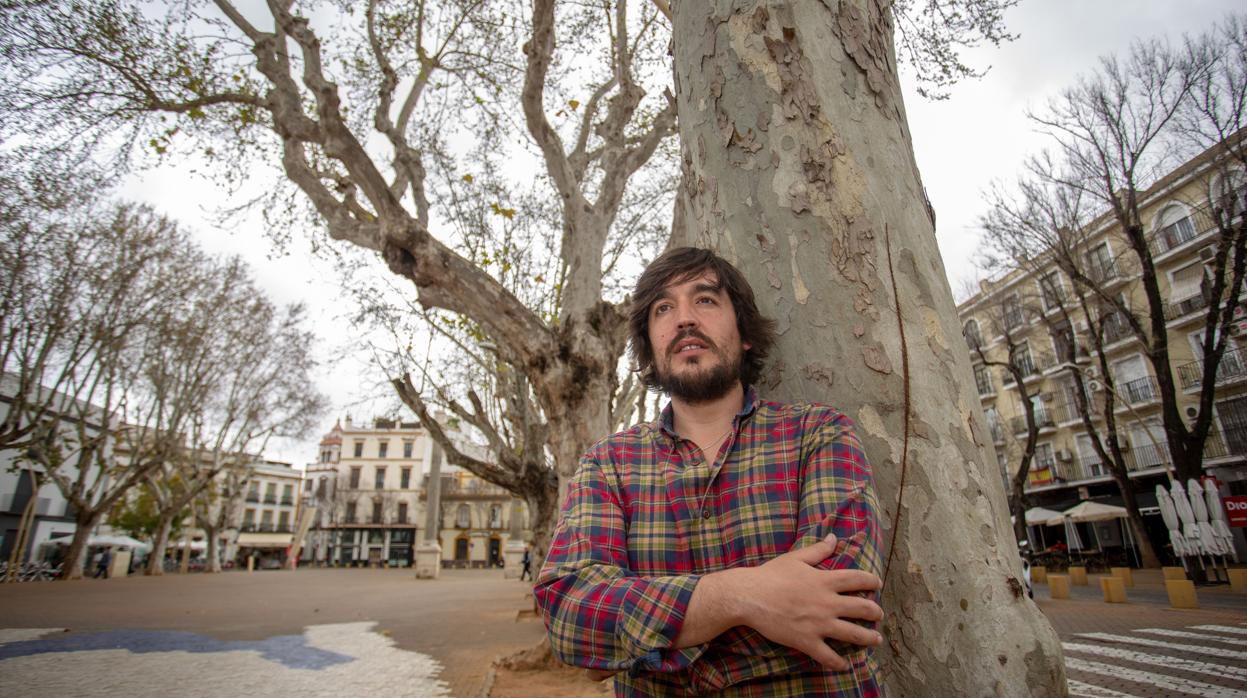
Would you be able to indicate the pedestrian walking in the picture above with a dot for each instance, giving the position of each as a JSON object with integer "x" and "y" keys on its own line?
{"x": 526, "y": 566}
{"x": 101, "y": 564}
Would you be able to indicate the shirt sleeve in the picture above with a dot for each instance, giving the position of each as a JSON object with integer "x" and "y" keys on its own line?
{"x": 599, "y": 614}
{"x": 838, "y": 496}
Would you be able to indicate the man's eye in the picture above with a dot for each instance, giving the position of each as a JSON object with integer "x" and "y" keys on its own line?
{"x": 706, "y": 299}
{"x": 662, "y": 308}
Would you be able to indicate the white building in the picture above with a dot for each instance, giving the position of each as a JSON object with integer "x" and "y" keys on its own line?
{"x": 266, "y": 517}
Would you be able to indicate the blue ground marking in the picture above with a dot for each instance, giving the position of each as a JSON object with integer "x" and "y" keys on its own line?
{"x": 289, "y": 650}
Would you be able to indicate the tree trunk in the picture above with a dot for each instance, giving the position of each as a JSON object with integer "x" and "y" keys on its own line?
{"x": 160, "y": 543}
{"x": 1017, "y": 507}
{"x": 800, "y": 169}
{"x": 85, "y": 521}
{"x": 213, "y": 551}
{"x": 1147, "y": 553}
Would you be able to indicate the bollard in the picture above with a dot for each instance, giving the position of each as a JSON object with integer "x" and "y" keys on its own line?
{"x": 250, "y": 563}
{"x": 1173, "y": 573}
{"x": 1058, "y": 586}
{"x": 1181, "y": 593}
{"x": 1238, "y": 579}
{"x": 1039, "y": 575}
{"x": 1078, "y": 576}
{"x": 1125, "y": 573}
{"x": 1113, "y": 588}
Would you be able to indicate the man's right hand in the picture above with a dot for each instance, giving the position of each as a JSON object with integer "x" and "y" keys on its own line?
{"x": 792, "y": 602}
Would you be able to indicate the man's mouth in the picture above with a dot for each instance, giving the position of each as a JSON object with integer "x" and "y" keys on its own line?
{"x": 689, "y": 345}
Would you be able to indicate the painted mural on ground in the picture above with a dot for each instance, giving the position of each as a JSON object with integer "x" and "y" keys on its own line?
{"x": 326, "y": 660}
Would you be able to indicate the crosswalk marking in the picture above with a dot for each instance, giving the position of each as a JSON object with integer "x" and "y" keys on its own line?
{"x": 1221, "y": 629}
{"x": 1078, "y": 689}
{"x": 1169, "y": 683}
{"x": 1197, "y": 649}
{"x": 1189, "y": 636}
{"x": 1218, "y": 670}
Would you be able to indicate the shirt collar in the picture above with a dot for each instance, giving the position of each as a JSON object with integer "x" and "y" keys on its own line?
{"x": 666, "y": 421}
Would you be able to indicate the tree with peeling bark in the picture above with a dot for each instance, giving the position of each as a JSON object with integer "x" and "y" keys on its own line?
{"x": 799, "y": 167}
{"x": 216, "y": 508}
{"x": 409, "y": 70}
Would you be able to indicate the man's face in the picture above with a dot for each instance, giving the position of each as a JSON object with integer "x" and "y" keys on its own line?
{"x": 697, "y": 346}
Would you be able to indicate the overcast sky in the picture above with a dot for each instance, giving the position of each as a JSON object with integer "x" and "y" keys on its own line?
{"x": 978, "y": 135}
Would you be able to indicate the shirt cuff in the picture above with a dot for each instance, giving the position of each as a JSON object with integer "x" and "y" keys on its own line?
{"x": 653, "y": 615}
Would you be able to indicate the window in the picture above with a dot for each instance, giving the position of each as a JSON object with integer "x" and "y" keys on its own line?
{"x": 266, "y": 520}
{"x": 1065, "y": 342}
{"x": 283, "y": 521}
{"x": 270, "y": 493}
{"x": 1134, "y": 385}
{"x": 1012, "y": 311}
{"x": 1186, "y": 290}
{"x": 1100, "y": 263}
{"x": 355, "y": 477}
{"x": 1088, "y": 459}
{"x": 1232, "y": 414}
{"x": 993, "y": 424}
{"x": 402, "y": 512}
{"x": 1228, "y": 194}
{"x": 463, "y": 517}
{"x": 383, "y": 449}
{"x": 971, "y": 332}
{"x": 378, "y": 481}
{"x": 253, "y": 492}
{"x": 405, "y": 478}
{"x": 287, "y": 494}
{"x": 1173, "y": 228}
{"x": 983, "y": 379}
{"x": 1022, "y": 359}
{"x": 359, "y": 449}
{"x": 495, "y": 516}
{"x": 407, "y": 446}
{"x": 376, "y": 511}
{"x": 350, "y": 512}
{"x": 248, "y": 518}
{"x": 320, "y": 487}
{"x": 1151, "y": 448}
{"x": 1051, "y": 290}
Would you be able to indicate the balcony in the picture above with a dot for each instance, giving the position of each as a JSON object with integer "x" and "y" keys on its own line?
{"x": 270, "y": 499}
{"x": 1226, "y": 444}
{"x": 1138, "y": 391}
{"x": 997, "y": 432}
{"x": 1091, "y": 467}
{"x": 1231, "y": 368}
{"x": 287, "y": 501}
{"x": 983, "y": 382}
{"x": 1043, "y": 420}
{"x": 1182, "y": 308}
{"x": 1066, "y": 411}
{"x": 1148, "y": 456}
{"x": 253, "y": 497}
{"x": 1101, "y": 272}
{"x": 1027, "y": 367}
{"x": 1115, "y": 329}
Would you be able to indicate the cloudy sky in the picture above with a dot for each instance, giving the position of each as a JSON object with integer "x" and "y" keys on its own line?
{"x": 978, "y": 135}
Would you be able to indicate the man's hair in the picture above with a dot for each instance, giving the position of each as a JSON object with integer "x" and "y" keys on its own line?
{"x": 683, "y": 264}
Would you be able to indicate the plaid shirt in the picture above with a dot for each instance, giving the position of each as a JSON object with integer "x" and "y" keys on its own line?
{"x": 646, "y": 516}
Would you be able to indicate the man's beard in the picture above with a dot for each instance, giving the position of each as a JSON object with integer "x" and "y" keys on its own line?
{"x": 699, "y": 384}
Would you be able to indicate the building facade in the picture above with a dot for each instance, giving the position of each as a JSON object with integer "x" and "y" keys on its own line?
{"x": 1027, "y": 310}
{"x": 267, "y": 516}
{"x": 366, "y": 495}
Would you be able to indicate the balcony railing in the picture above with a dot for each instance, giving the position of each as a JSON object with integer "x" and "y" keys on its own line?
{"x": 1179, "y": 233}
{"x": 983, "y": 381}
{"x": 287, "y": 501}
{"x": 1043, "y": 420}
{"x": 1138, "y": 391}
{"x": 1232, "y": 367}
{"x": 1231, "y": 442}
{"x": 1115, "y": 329}
{"x": 253, "y": 498}
{"x": 1091, "y": 466}
{"x": 1100, "y": 272}
{"x": 1176, "y": 310}
{"x": 1026, "y": 365}
{"x": 1142, "y": 457}
{"x": 270, "y": 499}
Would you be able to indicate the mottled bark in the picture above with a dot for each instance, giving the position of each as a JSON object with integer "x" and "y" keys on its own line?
{"x": 801, "y": 170}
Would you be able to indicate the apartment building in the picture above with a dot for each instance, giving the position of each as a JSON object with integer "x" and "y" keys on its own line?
{"x": 1022, "y": 309}
{"x": 475, "y": 520}
{"x": 267, "y": 516}
{"x": 365, "y": 486}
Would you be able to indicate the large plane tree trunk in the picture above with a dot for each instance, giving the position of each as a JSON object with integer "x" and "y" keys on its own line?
{"x": 799, "y": 167}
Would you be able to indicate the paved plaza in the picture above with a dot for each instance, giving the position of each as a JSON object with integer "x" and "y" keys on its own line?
{"x": 324, "y": 632}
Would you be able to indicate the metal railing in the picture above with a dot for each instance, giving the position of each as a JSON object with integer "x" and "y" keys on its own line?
{"x": 1116, "y": 329}
{"x": 1100, "y": 272}
{"x": 1138, "y": 391}
{"x": 1186, "y": 306}
{"x": 1232, "y": 367}
{"x": 1043, "y": 420}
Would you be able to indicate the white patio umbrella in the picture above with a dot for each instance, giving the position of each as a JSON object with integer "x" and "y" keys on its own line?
{"x": 1208, "y": 542}
{"x": 1170, "y": 515}
{"x": 1072, "y": 539}
{"x": 1190, "y": 533}
{"x": 1216, "y": 518}
{"x": 1038, "y": 516}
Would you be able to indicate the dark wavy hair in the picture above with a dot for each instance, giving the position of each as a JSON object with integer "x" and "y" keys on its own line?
{"x": 682, "y": 264}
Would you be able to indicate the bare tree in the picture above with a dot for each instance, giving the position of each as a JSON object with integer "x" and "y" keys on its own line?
{"x": 216, "y": 508}
{"x": 1117, "y": 134}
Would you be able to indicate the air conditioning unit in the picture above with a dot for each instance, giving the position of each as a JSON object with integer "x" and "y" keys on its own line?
{"x": 1064, "y": 455}
{"x": 1095, "y": 386}
{"x": 1092, "y": 372}
{"x": 1206, "y": 254}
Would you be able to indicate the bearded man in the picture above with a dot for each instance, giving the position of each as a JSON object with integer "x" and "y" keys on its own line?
{"x": 729, "y": 548}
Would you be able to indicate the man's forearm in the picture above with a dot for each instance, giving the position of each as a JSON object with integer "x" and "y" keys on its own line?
{"x": 713, "y": 609}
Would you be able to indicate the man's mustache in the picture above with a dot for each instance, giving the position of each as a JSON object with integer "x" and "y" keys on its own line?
{"x": 691, "y": 334}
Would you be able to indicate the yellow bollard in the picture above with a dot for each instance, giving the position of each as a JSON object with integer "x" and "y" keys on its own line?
{"x": 1238, "y": 579}
{"x": 1173, "y": 572}
{"x": 250, "y": 563}
{"x": 1125, "y": 573}
{"x": 1078, "y": 576}
{"x": 1113, "y": 588}
{"x": 1058, "y": 586}
{"x": 1181, "y": 593}
{"x": 1039, "y": 575}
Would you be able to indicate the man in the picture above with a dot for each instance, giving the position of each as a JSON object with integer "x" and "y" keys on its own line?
{"x": 729, "y": 547}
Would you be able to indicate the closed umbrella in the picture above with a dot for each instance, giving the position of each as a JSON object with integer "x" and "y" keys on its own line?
{"x": 1190, "y": 533}
{"x": 1216, "y": 518}
{"x": 1208, "y": 542}
{"x": 1072, "y": 540}
{"x": 1172, "y": 522}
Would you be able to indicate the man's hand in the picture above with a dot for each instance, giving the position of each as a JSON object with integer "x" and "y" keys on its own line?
{"x": 792, "y": 602}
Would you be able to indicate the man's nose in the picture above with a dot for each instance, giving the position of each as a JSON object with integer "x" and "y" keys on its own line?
{"x": 685, "y": 319}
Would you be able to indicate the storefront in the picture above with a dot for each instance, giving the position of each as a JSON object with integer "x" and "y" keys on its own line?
{"x": 266, "y": 550}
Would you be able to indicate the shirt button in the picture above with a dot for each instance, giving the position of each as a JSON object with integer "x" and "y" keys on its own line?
{"x": 705, "y": 513}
